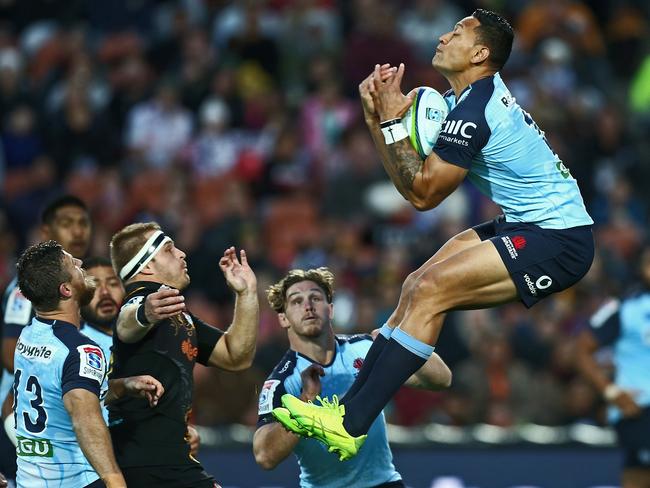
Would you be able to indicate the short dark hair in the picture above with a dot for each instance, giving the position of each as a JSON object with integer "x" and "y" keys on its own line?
{"x": 277, "y": 293}
{"x": 127, "y": 242}
{"x": 497, "y": 34}
{"x": 96, "y": 262}
{"x": 49, "y": 212}
{"x": 40, "y": 272}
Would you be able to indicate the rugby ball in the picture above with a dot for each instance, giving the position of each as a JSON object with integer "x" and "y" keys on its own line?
{"x": 423, "y": 120}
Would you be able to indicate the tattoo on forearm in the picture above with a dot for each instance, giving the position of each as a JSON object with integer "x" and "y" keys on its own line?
{"x": 406, "y": 163}
{"x": 400, "y": 161}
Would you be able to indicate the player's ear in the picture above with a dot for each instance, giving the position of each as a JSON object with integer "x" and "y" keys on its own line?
{"x": 284, "y": 323}
{"x": 65, "y": 290}
{"x": 481, "y": 53}
{"x": 148, "y": 268}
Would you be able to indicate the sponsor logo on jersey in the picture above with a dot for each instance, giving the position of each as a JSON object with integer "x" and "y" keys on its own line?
{"x": 510, "y": 247}
{"x": 38, "y": 353}
{"x": 530, "y": 284}
{"x": 543, "y": 282}
{"x": 91, "y": 362}
{"x": 266, "y": 396}
{"x": 34, "y": 447}
{"x": 508, "y": 100}
{"x": 190, "y": 350}
{"x": 519, "y": 242}
{"x": 459, "y": 128}
{"x": 564, "y": 171}
{"x": 285, "y": 367}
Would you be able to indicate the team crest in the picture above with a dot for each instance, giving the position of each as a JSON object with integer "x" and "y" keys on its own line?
{"x": 92, "y": 364}
{"x": 266, "y": 396}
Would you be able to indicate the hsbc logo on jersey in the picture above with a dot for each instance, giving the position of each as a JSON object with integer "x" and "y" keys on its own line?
{"x": 459, "y": 128}
{"x": 458, "y": 132}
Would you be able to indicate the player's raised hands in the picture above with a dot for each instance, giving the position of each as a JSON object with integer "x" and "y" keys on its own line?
{"x": 385, "y": 72}
{"x": 311, "y": 382}
{"x": 239, "y": 275}
{"x": 163, "y": 304}
{"x": 388, "y": 100}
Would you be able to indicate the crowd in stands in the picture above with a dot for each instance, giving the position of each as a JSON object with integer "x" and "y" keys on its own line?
{"x": 238, "y": 123}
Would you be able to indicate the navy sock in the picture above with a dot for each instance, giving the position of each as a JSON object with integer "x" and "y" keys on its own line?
{"x": 402, "y": 356}
{"x": 371, "y": 356}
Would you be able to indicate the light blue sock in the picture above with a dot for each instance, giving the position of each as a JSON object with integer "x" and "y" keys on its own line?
{"x": 386, "y": 331}
{"x": 409, "y": 342}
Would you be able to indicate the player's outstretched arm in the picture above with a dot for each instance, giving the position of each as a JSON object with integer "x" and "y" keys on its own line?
{"x": 136, "y": 320}
{"x": 423, "y": 183}
{"x": 92, "y": 434}
{"x": 235, "y": 349}
{"x": 434, "y": 375}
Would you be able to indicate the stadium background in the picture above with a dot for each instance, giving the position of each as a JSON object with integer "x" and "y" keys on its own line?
{"x": 238, "y": 123}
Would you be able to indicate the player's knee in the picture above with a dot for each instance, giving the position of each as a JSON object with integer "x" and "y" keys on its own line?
{"x": 409, "y": 283}
{"x": 427, "y": 287}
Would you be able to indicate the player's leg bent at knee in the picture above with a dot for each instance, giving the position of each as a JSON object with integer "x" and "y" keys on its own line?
{"x": 473, "y": 278}
{"x": 464, "y": 240}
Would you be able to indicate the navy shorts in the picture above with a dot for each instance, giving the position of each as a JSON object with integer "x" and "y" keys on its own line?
{"x": 540, "y": 261}
{"x": 634, "y": 439}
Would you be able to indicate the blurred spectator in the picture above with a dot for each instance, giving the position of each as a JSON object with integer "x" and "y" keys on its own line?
{"x": 570, "y": 20}
{"x": 375, "y": 39}
{"x": 325, "y": 116}
{"x": 422, "y": 25}
{"x": 159, "y": 128}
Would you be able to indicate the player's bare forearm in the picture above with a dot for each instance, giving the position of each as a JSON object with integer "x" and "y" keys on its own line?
{"x": 406, "y": 163}
{"x": 272, "y": 444}
{"x": 92, "y": 435}
{"x": 115, "y": 391}
{"x": 433, "y": 375}
{"x": 128, "y": 329}
{"x": 401, "y": 162}
{"x": 382, "y": 149}
{"x": 235, "y": 350}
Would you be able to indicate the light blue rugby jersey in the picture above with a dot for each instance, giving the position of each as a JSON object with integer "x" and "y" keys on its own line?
{"x": 508, "y": 158}
{"x": 319, "y": 468}
{"x": 17, "y": 312}
{"x": 105, "y": 341}
{"x": 52, "y": 358}
{"x": 625, "y": 325}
